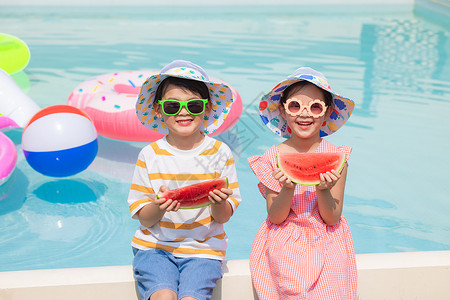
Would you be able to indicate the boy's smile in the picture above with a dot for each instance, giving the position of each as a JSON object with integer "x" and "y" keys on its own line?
{"x": 183, "y": 126}
{"x": 184, "y": 121}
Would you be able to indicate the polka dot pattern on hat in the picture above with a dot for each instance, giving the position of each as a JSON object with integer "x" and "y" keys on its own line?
{"x": 271, "y": 117}
{"x": 221, "y": 97}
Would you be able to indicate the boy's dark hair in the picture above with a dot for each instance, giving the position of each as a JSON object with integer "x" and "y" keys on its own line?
{"x": 298, "y": 86}
{"x": 194, "y": 86}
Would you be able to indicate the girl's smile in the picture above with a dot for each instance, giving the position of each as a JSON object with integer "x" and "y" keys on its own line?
{"x": 303, "y": 124}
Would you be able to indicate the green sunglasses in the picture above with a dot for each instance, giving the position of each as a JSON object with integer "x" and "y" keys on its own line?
{"x": 173, "y": 107}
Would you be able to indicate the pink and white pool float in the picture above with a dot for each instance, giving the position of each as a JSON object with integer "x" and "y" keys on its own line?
{"x": 110, "y": 100}
{"x": 8, "y": 158}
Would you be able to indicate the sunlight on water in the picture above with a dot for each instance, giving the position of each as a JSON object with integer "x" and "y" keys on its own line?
{"x": 394, "y": 65}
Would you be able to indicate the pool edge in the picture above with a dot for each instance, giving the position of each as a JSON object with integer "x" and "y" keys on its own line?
{"x": 406, "y": 275}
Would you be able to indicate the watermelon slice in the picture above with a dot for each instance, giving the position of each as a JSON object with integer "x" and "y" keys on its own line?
{"x": 304, "y": 168}
{"x": 195, "y": 195}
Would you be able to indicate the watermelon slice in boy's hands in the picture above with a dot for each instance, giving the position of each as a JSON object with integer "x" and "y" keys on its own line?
{"x": 195, "y": 195}
{"x": 305, "y": 168}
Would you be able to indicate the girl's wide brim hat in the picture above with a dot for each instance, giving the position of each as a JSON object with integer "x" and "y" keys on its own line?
{"x": 271, "y": 116}
{"x": 221, "y": 97}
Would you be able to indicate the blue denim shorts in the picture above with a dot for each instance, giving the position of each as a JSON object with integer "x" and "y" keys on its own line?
{"x": 156, "y": 269}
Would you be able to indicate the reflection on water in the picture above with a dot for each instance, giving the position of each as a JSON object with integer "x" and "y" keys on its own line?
{"x": 402, "y": 57}
{"x": 393, "y": 64}
{"x": 68, "y": 191}
{"x": 369, "y": 219}
{"x": 13, "y": 192}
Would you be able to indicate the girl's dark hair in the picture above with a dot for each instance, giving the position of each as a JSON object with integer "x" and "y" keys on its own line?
{"x": 298, "y": 86}
{"x": 194, "y": 86}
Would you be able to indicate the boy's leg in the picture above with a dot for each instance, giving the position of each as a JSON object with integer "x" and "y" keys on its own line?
{"x": 155, "y": 270}
{"x": 198, "y": 277}
{"x": 164, "y": 294}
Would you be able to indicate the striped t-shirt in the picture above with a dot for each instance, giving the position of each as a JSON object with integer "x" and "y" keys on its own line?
{"x": 187, "y": 232}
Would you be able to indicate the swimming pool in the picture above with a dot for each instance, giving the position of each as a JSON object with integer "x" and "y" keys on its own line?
{"x": 393, "y": 62}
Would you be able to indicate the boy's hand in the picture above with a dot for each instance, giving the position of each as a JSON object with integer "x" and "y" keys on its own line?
{"x": 328, "y": 179}
{"x": 166, "y": 204}
{"x": 220, "y": 196}
{"x": 279, "y": 175}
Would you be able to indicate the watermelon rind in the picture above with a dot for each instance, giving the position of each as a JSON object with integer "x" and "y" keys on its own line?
{"x": 311, "y": 183}
{"x": 201, "y": 205}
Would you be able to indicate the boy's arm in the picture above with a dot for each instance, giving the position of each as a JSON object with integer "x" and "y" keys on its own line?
{"x": 152, "y": 213}
{"x": 142, "y": 197}
{"x": 226, "y": 201}
{"x": 221, "y": 209}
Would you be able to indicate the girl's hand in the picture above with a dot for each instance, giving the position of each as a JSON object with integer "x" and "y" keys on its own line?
{"x": 166, "y": 204}
{"x": 328, "y": 180}
{"x": 219, "y": 196}
{"x": 282, "y": 178}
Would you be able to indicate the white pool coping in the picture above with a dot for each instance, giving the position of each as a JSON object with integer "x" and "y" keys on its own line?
{"x": 407, "y": 275}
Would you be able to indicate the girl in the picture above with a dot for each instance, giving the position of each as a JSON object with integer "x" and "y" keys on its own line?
{"x": 304, "y": 249}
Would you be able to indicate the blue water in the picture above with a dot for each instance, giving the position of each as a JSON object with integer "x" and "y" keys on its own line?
{"x": 392, "y": 62}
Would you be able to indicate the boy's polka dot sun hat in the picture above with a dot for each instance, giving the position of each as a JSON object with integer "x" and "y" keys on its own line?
{"x": 221, "y": 97}
{"x": 270, "y": 114}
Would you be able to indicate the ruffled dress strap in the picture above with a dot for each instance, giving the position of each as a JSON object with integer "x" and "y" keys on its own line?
{"x": 345, "y": 149}
{"x": 263, "y": 166}
{"x": 326, "y": 146}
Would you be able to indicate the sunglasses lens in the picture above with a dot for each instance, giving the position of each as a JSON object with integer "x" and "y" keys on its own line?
{"x": 317, "y": 108}
{"x": 195, "y": 107}
{"x": 294, "y": 107}
{"x": 171, "y": 107}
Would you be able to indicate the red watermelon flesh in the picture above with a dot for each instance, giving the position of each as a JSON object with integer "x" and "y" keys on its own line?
{"x": 304, "y": 168}
{"x": 195, "y": 195}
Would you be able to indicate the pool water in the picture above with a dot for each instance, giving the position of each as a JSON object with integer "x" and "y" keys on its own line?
{"x": 392, "y": 62}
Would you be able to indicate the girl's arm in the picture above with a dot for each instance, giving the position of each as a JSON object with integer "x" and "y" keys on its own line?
{"x": 152, "y": 213}
{"x": 279, "y": 204}
{"x": 330, "y": 195}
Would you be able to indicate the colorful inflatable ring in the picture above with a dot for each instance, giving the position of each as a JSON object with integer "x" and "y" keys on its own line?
{"x": 14, "y": 53}
{"x": 110, "y": 100}
{"x": 8, "y": 158}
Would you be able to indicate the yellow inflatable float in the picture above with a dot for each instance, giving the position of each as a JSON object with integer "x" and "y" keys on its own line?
{"x": 14, "y": 53}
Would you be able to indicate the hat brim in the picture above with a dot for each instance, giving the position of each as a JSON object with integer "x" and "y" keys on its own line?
{"x": 221, "y": 97}
{"x": 271, "y": 116}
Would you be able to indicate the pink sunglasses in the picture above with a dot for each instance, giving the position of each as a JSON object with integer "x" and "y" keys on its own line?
{"x": 315, "y": 108}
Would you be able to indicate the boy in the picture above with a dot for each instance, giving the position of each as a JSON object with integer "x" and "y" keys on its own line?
{"x": 179, "y": 252}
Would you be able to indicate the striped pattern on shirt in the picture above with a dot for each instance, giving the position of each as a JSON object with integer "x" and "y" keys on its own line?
{"x": 187, "y": 232}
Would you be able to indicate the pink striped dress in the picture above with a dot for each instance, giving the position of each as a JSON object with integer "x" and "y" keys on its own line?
{"x": 301, "y": 258}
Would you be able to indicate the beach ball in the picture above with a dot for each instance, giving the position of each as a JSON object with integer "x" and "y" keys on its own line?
{"x": 60, "y": 141}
